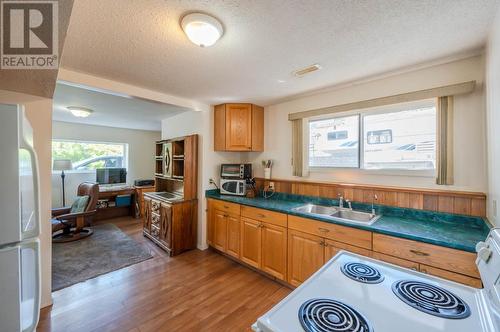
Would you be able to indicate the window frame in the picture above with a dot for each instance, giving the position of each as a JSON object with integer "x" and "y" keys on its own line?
{"x": 386, "y": 109}
{"x": 91, "y": 171}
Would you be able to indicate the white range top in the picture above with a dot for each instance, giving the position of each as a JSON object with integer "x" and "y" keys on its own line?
{"x": 382, "y": 309}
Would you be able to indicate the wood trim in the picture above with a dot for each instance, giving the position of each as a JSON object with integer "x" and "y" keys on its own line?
{"x": 448, "y": 90}
{"x": 451, "y": 201}
{"x": 257, "y": 128}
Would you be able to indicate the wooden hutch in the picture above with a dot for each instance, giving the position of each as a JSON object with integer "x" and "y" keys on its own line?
{"x": 172, "y": 225}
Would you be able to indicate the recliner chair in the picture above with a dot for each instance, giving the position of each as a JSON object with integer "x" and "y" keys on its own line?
{"x": 68, "y": 226}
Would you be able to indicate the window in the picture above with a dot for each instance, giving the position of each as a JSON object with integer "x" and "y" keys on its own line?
{"x": 334, "y": 142}
{"x": 394, "y": 137}
{"x": 90, "y": 155}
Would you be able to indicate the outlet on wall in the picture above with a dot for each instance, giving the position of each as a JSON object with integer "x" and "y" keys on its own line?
{"x": 211, "y": 181}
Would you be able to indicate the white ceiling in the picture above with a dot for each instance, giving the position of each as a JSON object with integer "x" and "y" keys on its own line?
{"x": 110, "y": 110}
{"x": 141, "y": 42}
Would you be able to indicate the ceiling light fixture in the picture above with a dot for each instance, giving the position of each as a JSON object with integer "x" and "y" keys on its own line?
{"x": 79, "y": 112}
{"x": 202, "y": 29}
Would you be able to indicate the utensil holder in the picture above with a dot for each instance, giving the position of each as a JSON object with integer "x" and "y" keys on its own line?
{"x": 267, "y": 173}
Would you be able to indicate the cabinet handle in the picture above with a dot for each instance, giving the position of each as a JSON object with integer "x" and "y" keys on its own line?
{"x": 323, "y": 230}
{"x": 226, "y": 207}
{"x": 260, "y": 215}
{"x": 423, "y": 270}
{"x": 418, "y": 253}
{"x": 226, "y": 215}
{"x": 322, "y": 243}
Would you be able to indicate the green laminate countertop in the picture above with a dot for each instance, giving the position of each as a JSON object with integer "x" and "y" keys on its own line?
{"x": 443, "y": 229}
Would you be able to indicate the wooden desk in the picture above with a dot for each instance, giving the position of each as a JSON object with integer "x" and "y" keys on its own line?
{"x": 116, "y": 211}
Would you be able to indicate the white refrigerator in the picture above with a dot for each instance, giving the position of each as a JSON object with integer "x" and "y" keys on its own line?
{"x": 19, "y": 223}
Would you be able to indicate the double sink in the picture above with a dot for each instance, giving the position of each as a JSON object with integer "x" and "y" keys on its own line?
{"x": 338, "y": 213}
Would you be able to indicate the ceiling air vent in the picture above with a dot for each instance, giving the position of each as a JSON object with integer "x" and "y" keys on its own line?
{"x": 306, "y": 70}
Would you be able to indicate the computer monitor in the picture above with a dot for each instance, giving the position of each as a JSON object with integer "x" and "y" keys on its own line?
{"x": 111, "y": 175}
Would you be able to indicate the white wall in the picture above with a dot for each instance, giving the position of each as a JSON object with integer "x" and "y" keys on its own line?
{"x": 470, "y": 151}
{"x": 141, "y": 151}
{"x": 39, "y": 113}
{"x": 493, "y": 117}
{"x": 201, "y": 123}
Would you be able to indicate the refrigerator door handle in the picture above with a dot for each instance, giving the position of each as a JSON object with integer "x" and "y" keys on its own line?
{"x": 35, "y": 245}
{"x": 35, "y": 231}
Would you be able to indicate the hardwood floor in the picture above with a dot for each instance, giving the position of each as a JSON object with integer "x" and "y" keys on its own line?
{"x": 195, "y": 291}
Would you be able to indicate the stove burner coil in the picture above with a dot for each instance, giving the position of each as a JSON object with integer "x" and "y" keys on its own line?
{"x": 362, "y": 273}
{"x": 431, "y": 299}
{"x": 325, "y": 315}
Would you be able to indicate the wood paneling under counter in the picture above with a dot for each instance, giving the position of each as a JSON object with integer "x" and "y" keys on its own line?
{"x": 458, "y": 202}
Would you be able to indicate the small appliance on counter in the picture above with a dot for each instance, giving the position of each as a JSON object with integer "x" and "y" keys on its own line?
{"x": 234, "y": 178}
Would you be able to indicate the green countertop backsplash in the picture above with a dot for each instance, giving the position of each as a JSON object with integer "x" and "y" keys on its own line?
{"x": 443, "y": 229}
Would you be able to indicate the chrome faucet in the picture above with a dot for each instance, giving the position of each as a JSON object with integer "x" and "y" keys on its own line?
{"x": 341, "y": 201}
{"x": 349, "y": 204}
{"x": 374, "y": 198}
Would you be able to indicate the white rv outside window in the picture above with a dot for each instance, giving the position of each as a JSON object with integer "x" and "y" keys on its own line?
{"x": 394, "y": 137}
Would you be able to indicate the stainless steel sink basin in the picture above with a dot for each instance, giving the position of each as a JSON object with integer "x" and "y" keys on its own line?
{"x": 341, "y": 214}
{"x": 317, "y": 209}
{"x": 356, "y": 216}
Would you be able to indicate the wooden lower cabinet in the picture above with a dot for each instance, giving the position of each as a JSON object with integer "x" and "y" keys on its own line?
{"x": 333, "y": 247}
{"x": 305, "y": 256}
{"x": 233, "y": 236}
{"x": 396, "y": 261}
{"x": 291, "y": 248}
{"x": 220, "y": 230}
{"x": 274, "y": 250}
{"x": 251, "y": 242}
{"x": 173, "y": 227}
{"x": 460, "y": 278}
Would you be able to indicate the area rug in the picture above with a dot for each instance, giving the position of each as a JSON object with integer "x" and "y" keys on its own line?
{"x": 108, "y": 249}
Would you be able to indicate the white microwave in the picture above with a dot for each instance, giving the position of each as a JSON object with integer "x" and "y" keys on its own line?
{"x": 233, "y": 187}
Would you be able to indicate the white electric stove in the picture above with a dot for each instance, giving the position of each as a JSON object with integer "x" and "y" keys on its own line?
{"x": 352, "y": 293}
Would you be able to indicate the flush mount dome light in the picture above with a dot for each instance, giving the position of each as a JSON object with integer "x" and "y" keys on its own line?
{"x": 202, "y": 29}
{"x": 79, "y": 112}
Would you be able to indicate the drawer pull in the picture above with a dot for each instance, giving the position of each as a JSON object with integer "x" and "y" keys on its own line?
{"x": 261, "y": 225}
{"x": 418, "y": 253}
{"x": 323, "y": 230}
{"x": 260, "y": 215}
{"x": 424, "y": 270}
{"x": 226, "y": 207}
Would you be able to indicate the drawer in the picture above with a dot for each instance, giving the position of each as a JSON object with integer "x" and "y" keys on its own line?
{"x": 441, "y": 257}
{"x": 344, "y": 234}
{"x": 226, "y": 207}
{"x": 155, "y": 219}
{"x": 395, "y": 261}
{"x": 155, "y": 206}
{"x": 155, "y": 231}
{"x": 333, "y": 247}
{"x": 271, "y": 217}
{"x": 460, "y": 278}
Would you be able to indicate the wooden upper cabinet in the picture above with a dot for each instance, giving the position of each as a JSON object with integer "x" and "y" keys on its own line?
{"x": 238, "y": 127}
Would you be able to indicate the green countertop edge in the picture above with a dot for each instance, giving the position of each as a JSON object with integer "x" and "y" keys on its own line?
{"x": 476, "y": 228}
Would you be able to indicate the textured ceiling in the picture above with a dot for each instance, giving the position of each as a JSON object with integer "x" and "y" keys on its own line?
{"x": 110, "y": 110}
{"x": 141, "y": 42}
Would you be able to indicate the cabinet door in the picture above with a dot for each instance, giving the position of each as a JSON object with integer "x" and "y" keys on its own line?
{"x": 220, "y": 231}
{"x": 238, "y": 127}
{"x": 210, "y": 222}
{"x": 274, "y": 248}
{"x": 251, "y": 242}
{"x": 333, "y": 247}
{"x": 305, "y": 256}
{"x": 233, "y": 236}
{"x": 146, "y": 222}
{"x": 166, "y": 225}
